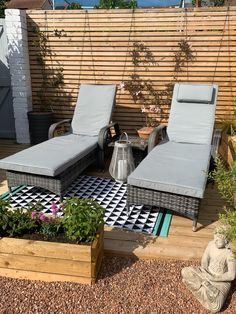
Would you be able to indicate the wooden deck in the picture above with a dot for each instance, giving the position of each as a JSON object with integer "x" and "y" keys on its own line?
{"x": 181, "y": 243}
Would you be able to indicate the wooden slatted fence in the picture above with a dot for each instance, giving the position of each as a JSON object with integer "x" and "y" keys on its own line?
{"x": 96, "y": 46}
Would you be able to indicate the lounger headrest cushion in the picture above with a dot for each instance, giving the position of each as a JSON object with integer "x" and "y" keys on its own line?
{"x": 202, "y": 93}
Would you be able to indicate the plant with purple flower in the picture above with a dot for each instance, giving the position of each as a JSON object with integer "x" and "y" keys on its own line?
{"x": 42, "y": 216}
{"x": 34, "y": 214}
{"x": 54, "y": 208}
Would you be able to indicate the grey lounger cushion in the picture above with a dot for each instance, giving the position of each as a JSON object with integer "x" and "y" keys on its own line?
{"x": 51, "y": 157}
{"x": 197, "y": 93}
{"x": 93, "y": 109}
{"x": 178, "y": 168}
{"x": 192, "y": 122}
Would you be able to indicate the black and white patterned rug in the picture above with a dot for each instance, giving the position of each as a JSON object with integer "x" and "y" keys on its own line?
{"x": 109, "y": 194}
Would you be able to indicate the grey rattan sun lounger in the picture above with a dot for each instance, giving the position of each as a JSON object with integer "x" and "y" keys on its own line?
{"x": 174, "y": 174}
{"x": 55, "y": 163}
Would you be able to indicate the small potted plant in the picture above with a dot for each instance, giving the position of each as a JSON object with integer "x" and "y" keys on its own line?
{"x": 150, "y": 100}
{"x": 151, "y": 120}
{"x": 66, "y": 245}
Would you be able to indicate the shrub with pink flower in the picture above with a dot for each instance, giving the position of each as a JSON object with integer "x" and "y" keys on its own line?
{"x": 54, "y": 208}
{"x": 150, "y": 113}
{"x": 34, "y": 215}
{"x": 75, "y": 219}
{"x": 42, "y": 217}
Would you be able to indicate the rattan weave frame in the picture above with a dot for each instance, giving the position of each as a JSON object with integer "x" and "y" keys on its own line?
{"x": 61, "y": 182}
{"x": 57, "y": 184}
{"x": 184, "y": 205}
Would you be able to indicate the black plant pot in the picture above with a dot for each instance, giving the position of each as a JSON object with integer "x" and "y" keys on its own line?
{"x": 39, "y": 123}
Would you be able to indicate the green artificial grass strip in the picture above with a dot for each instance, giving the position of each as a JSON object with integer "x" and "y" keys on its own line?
{"x": 158, "y": 222}
{"x": 166, "y": 224}
{"x": 6, "y": 195}
{"x": 3, "y": 195}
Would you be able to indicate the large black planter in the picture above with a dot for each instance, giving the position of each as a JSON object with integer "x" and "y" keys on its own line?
{"x": 39, "y": 123}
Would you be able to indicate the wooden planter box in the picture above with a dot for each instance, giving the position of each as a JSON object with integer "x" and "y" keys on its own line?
{"x": 227, "y": 149}
{"x": 51, "y": 261}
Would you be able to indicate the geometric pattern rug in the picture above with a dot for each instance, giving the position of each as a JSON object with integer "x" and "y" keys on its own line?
{"x": 109, "y": 194}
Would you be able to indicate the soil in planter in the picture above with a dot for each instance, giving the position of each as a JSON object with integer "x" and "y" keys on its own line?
{"x": 60, "y": 238}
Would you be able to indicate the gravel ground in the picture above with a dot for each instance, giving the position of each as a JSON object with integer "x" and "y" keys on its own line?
{"x": 125, "y": 286}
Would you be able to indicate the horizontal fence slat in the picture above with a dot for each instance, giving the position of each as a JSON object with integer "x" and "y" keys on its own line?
{"x": 95, "y": 46}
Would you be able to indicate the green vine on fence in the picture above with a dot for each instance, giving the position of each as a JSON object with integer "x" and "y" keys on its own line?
{"x": 51, "y": 78}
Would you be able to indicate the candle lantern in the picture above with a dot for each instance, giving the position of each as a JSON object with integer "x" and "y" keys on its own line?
{"x": 122, "y": 162}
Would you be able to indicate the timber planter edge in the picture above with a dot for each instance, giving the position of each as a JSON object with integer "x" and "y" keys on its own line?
{"x": 51, "y": 261}
{"x": 227, "y": 149}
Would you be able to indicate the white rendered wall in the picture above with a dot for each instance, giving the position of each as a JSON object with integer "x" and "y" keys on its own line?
{"x": 16, "y": 32}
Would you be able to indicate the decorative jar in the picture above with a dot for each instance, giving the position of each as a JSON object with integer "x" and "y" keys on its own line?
{"x": 122, "y": 162}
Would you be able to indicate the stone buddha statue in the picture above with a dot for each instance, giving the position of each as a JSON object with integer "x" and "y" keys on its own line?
{"x": 210, "y": 283}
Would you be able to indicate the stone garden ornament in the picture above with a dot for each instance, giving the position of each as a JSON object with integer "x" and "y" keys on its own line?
{"x": 210, "y": 283}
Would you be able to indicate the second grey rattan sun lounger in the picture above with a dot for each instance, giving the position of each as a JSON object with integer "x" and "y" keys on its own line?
{"x": 174, "y": 174}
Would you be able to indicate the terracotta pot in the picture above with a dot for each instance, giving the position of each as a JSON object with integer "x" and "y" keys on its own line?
{"x": 145, "y": 132}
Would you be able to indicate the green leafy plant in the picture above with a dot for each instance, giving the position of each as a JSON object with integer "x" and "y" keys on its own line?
{"x": 15, "y": 222}
{"x": 51, "y": 78}
{"x": 50, "y": 227}
{"x": 229, "y": 125}
{"x": 82, "y": 219}
{"x": 228, "y": 220}
{"x": 73, "y": 5}
{"x": 121, "y": 4}
{"x": 225, "y": 180}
